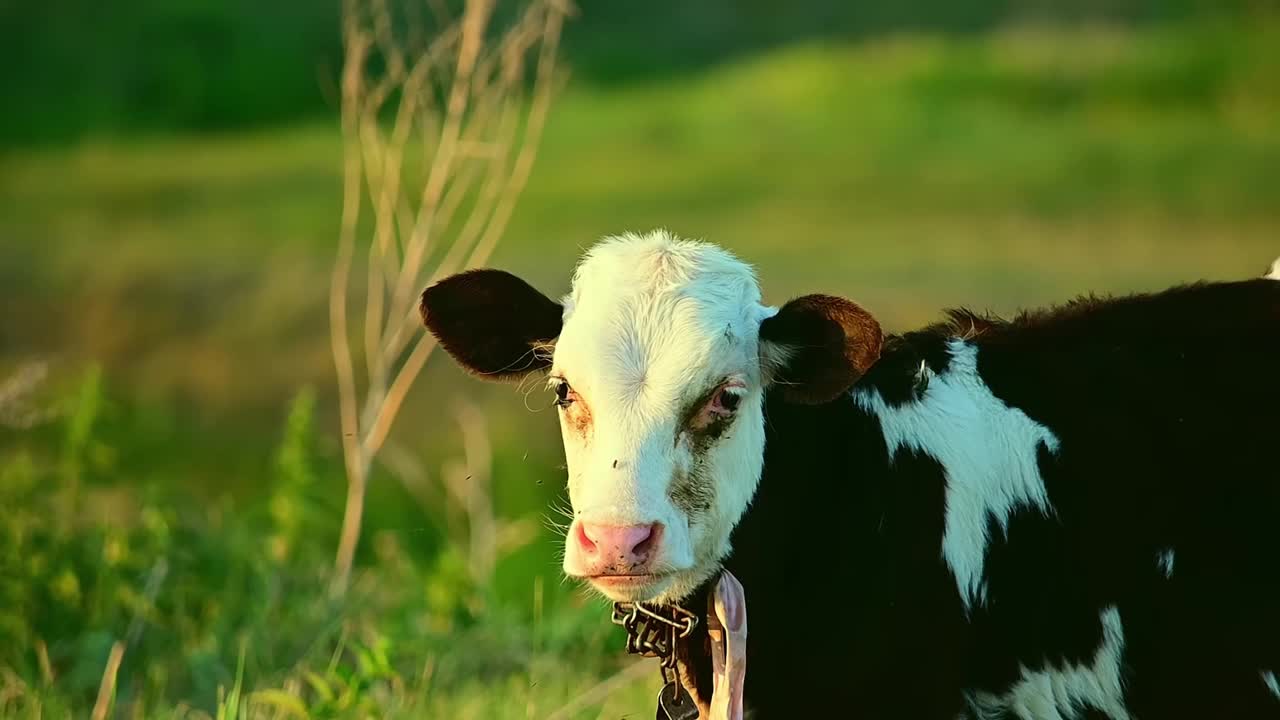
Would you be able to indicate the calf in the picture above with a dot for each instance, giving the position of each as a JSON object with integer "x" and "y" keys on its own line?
{"x": 1071, "y": 514}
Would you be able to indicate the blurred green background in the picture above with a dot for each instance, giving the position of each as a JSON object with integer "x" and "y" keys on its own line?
{"x": 170, "y": 189}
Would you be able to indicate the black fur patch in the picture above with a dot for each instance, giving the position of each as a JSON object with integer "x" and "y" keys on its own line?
{"x": 1167, "y": 410}
{"x": 693, "y": 492}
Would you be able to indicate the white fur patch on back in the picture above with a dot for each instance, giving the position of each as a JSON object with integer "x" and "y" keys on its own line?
{"x": 1061, "y": 693}
{"x": 1275, "y": 270}
{"x": 986, "y": 448}
{"x": 1269, "y": 679}
{"x": 1164, "y": 560}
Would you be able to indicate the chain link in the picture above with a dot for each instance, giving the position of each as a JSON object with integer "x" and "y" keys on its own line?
{"x": 653, "y": 632}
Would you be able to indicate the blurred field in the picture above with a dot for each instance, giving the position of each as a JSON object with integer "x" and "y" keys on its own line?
{"x": 911, "y": 173}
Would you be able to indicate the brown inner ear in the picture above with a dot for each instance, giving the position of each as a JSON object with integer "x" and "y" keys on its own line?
{"x": 492, "y": 322}
{"x": 832, "y": 342}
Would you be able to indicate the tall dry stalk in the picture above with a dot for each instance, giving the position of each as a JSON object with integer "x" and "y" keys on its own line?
{"x": 441, "y": 118}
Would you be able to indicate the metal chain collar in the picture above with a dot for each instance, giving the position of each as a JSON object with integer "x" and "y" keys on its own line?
{"x": 653, "y": 632}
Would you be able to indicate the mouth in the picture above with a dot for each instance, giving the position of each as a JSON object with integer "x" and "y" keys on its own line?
{"x": 629, "y": 588}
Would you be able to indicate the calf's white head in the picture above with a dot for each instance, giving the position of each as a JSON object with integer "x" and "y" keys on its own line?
{"x": 659, "y": 358}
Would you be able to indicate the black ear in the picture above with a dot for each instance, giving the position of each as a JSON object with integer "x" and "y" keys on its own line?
{"x": 492, "y": 322}
{"x": 827, "y": 342}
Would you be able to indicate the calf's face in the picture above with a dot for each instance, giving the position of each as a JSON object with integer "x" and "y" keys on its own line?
{"x": 659, "y": 358}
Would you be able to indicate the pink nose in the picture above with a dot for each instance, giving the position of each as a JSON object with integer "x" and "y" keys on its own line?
{"x": 613, "y": 549}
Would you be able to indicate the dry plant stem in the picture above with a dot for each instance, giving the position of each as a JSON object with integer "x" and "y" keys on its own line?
{"x": 500, "y": 177}
{"x": 474, "y": 20}
{"x": 107, "y": 689}
{"x": 42, "y": 656}
{"x": 524, "y": 163}
{"x": 459, "y": 94}
{"x": 357, "y": 468}
{"x": 435, "y": 218}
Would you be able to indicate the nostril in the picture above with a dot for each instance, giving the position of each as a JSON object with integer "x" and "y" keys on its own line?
{"x": 584, "y": 538}
{"x": 648, "y": 542}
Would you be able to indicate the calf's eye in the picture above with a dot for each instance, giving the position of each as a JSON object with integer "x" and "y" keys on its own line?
{"x": 564, "y": 394}
{"x": 727, "y": 400}
{"x": 721, "y": 406}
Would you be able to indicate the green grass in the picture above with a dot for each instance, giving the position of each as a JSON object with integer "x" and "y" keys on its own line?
{"x": 909, "y": 173}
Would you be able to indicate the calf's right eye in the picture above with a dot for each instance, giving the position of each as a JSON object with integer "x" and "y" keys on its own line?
{"x": 564, "y": 394}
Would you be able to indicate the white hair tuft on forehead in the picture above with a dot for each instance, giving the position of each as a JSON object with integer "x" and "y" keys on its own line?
{"x": 659, "y": 263}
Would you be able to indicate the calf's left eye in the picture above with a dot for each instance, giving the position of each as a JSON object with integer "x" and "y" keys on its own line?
{"x": 727, "y": 400}
{"x": 721, "y": 406}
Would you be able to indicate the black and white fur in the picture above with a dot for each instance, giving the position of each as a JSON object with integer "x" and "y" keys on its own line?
{"x": 1072, "y": 514}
